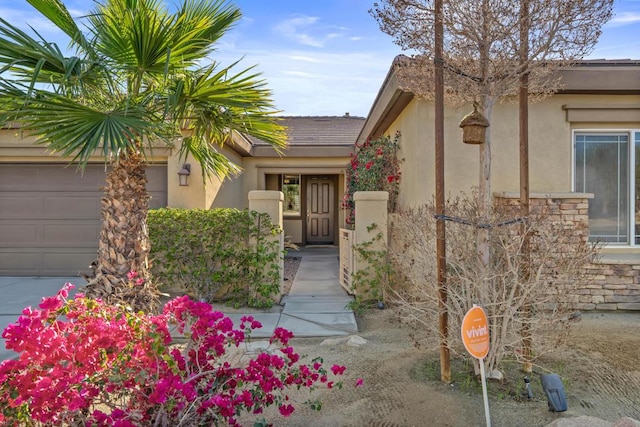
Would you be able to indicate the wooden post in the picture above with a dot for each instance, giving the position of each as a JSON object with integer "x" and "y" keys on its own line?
{"x": 527, "y": 365}
{"x": 441, "y": 264}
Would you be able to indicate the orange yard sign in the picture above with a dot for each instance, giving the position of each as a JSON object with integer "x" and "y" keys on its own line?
{"x": 475, "y": 332}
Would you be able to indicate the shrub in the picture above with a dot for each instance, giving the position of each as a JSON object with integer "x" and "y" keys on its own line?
{"x": 373, "y": 167}
{"x": 553, "y": 255}
{"x": 81, "y": 362}
{"x": 218, "y": 254}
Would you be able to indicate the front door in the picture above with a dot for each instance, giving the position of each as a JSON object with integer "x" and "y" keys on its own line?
{"x": 320, "y": 210}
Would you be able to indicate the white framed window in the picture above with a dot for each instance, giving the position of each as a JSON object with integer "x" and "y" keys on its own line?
{"x": 291, "y": 190}
{"x": 607, "y": 164}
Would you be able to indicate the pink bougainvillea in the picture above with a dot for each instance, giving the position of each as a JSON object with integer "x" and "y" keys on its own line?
{"x": 81, "y": 362}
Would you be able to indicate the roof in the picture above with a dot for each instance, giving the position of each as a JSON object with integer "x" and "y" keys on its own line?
{"x": 319, "y": 130}
{"x": 591, "y": 76}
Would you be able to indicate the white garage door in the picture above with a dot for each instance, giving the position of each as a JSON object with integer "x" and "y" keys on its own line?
{"x": 50, "y": 216}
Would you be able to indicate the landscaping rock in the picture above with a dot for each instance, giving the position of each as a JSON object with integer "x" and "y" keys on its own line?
{"x": 582, "y": 421}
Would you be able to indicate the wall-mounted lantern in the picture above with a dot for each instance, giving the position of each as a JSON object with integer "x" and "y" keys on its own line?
{"x": 183, "y": 174}
{"x": 474, "y": 126}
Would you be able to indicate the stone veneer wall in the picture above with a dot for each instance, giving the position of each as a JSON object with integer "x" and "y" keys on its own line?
{"x": 616, "y": 286}
{"x": 613, "y": 285}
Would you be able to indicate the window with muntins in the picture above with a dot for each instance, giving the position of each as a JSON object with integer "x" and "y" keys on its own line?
{"x": 603, "y": 163}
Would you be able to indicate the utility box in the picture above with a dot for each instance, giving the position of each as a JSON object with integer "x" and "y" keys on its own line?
{"x": 554, "y": 390}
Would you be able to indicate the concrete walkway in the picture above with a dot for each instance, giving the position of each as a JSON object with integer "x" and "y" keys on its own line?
{"x": 315, "y": 306}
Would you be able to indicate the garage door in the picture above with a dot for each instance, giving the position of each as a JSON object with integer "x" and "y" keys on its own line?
{"x": 50, "y": 216}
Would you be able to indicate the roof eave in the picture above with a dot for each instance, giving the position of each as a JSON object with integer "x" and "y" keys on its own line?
{"x": 386, "y": 108}
{"x": 241, "y": 145}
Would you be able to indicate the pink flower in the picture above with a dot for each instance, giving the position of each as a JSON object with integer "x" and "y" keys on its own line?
{"x": 359, "y": 382}
{"x": 286, "y": 410}
{"x": 132, "y": 275}
{"x": 368, "y": 165}
{"x": 338, "y": 370}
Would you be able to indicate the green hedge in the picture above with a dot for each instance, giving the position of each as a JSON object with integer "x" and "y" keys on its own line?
{"x": 219, "y": 254}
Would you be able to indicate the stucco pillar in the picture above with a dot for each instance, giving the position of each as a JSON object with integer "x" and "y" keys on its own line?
{"x": 271, "y": 203}
{"x": 371, "y": 231}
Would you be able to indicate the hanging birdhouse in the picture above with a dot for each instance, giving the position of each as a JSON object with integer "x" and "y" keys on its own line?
{"x": 474, "y": 127}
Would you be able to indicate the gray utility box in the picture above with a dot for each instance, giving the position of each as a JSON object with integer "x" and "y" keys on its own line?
{"x": 554, "y": 390}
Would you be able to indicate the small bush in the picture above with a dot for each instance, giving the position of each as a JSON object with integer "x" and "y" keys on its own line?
{"x": 218, "y": 254}
{"x": 81, "y": 362}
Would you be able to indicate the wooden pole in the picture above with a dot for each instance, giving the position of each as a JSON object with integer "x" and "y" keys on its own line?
{"x": 523, "y": 101}
{"x": 441, "y": 264}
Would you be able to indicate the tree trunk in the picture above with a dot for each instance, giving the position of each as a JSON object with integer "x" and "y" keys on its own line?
{"x": 121, "y": 270}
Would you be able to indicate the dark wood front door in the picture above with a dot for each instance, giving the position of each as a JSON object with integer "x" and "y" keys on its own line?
{"x": 320, "y": 210}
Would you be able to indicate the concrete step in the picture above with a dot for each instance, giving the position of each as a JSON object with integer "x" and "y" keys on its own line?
{"x": 319, "y": 325}
{"x": 317, "y": 305}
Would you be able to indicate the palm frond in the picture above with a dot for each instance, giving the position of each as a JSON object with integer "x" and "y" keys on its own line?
{"x": 212, "y": 161}
{"x": 212, "y": 103}
{"x": 57, "y": 13}
{"x": 74, "y": 129}
{"x": 135, "y": 79}
{"x": 199, "y": 25}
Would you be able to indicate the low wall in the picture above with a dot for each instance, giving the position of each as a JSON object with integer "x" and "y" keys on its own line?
{"x": 614, "y": 284}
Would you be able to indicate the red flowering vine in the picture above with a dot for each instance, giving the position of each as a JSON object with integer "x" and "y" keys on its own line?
{"x": 373, "y": 167}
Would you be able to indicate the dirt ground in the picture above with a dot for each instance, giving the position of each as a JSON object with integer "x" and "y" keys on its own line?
{"x": 599, "y": 367}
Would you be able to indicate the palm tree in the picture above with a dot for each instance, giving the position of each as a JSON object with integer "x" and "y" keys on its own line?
{"x": 139, "y": 77}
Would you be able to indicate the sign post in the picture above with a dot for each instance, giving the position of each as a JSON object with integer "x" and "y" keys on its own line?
{"x": 475, "y": 336}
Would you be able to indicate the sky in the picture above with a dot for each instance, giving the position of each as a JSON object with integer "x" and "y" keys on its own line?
{"x": 325, "y": 57}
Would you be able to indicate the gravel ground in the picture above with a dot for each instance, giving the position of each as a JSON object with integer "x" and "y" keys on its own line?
{"x": 291, "y": 264}
{"x": 598, "y": 365}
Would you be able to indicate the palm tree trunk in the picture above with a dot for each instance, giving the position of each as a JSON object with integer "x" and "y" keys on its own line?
{"x": 121, "y": 270}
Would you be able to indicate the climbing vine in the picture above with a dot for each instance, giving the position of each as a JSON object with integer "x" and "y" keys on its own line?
{"x": 373, "y": 167}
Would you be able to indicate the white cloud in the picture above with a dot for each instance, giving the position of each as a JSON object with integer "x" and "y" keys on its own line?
{"x": 301, "y": 29}
{"x": 624, "y": 18}
{"x": 298, "y": 74}
{"x": 323, "y": 83}
{"x": 304, "y": 58}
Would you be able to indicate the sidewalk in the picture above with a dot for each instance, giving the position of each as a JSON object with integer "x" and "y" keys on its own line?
{"x": 315, "y": 306}
{"x": 20, "y": 292}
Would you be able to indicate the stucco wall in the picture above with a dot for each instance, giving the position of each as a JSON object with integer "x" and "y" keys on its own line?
{"x": 550, "y": 146}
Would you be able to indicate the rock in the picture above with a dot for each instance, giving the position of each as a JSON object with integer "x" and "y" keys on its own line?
{"x": 357, "y": 341}
{"x": 581, "y": 421}
{"x": 495, "y": 374}
{"x": 333, "y": 342}
{"x": 352, "y": 341}
{"x": 626, "y": 422}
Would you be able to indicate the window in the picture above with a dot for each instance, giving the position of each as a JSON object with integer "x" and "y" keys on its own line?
{"x": 602, "y": 167}
{"x": 291, "y": 190}
{"x": 636, "y": 189}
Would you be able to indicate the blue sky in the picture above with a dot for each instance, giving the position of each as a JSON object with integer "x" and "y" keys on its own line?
{"x": 327, "y": 57}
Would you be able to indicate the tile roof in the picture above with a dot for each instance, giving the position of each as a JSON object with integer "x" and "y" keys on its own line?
{"x": 319, "y": 130}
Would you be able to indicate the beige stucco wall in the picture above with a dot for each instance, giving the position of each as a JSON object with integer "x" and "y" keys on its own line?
{"x": 550, "y": 146}
{"x": 209, "y": 193}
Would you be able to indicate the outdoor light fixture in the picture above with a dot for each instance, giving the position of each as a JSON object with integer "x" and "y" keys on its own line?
{"x": 183, "y": 175}
{"x": 474, "y": 126}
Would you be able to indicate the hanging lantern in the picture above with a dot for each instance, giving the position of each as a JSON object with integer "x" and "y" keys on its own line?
{"x": 474, "y": 127}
